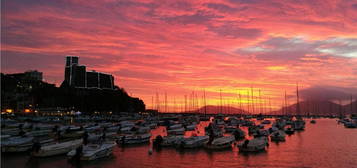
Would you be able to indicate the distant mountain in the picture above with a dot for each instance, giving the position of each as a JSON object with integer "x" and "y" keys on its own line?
{"x": 347, "y": 107}
{"x": 220, "y": 109}
{"x": 317, "y": 108}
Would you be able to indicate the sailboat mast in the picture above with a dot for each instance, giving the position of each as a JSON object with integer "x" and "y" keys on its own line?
{"x": 297, "y": 100}
{"x": 204, "y": 101}
{"x": 220, "y": 97}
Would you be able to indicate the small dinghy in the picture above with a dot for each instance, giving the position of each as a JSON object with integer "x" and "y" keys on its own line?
{"x": 92, "y": 151}
{"x": 56, "y": 149}
{"x": 220, "y": 143}
{"x": 254, "y": 145}
{"x": 277, "y": 136}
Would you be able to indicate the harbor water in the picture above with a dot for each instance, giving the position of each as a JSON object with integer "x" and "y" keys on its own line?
{"x": 325, "y": 144}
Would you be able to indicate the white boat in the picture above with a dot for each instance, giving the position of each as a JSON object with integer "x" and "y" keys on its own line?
{"x": 254, "y": 145}
{"x": 134, "y": 138}
{"x": 10, "y": 131}
{"x": 143, "y": 130}
{"x": 16, "y": 144}
{"x": 194, "y": 141}
{"x": 191, "y": 127}
{"x": 172, "y": 140}
{"x": 126, "y": 129}
{"x": 179, "y": 131}
{"x": 278, "y": 136}
{"x": 94, "y": 151}
{"x": 57, "y": 149}
{"x": 93, "y": 128}
{"x": 37, "y": 133}
{"x": 221, "y": 143}
{"x": 176, "y": 126}
{"x": 75, "y": 134}
{"x": 112, "y": 129}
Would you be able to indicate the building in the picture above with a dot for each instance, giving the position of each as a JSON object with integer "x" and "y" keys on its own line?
{"x": 77, "y": 76}
{"x": 30, "y": 75}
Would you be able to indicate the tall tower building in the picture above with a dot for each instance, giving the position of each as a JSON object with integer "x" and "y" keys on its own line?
{"x": 77, "y": 76}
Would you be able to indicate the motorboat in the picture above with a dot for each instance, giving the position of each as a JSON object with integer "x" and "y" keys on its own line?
{"x": 194, "y": 141}
{"x": 56, "y": 149}
{"x": 220, "y": 143}
{"x": 178, "y": 131}
{"x": 254, "y": 145}
{"x": 278, "y": 136}
{"x": 93, "y": 151}
{"x": 16, "y": 144}
{"x": 134, "y": 138}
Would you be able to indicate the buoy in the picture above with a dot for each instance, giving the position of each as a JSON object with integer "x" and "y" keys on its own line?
{"x": 150, "y": 151}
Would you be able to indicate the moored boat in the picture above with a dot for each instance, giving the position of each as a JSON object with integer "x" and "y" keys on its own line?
{"x": 56, "y": 149}
{"x": 254, "y": 145}
{"x": 93, "y": 151}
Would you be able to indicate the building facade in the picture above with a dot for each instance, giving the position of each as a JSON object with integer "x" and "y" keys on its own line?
{"x": 77, "y": 76}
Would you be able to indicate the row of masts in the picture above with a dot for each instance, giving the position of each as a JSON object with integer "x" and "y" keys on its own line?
{"x": 250, "y": 102}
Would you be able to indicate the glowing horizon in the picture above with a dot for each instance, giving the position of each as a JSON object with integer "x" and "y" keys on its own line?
{"x": 180, "y": 47}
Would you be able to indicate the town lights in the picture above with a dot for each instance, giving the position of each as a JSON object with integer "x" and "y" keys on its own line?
{"x": 9, "y": 110}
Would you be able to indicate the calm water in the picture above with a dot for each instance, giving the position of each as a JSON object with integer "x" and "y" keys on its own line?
{"x": 324, "y": 144}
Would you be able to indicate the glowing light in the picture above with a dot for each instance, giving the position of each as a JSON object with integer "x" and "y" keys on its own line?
{"x": 9, "y": 110}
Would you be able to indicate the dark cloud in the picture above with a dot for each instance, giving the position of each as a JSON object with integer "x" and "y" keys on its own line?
{"x": 199, "y": 17}
{"x": 221, "y": 7}
{"x": 232, "y": 31}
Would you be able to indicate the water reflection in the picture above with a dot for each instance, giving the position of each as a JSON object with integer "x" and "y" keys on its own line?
{"x": 324, "y": 144}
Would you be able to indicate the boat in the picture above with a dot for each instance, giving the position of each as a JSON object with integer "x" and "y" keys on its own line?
{"x": 277, "y": 136}
{"x": 266, "y": 122}
{"x": 16, "y": 144}
{"x": 57, "y": 148}
{"x": 179, "y": 131}
{"x": 191, "y": 127}
{"x": 220, "y": 143}
{"x": 254, "y": 145}
{"x": 134, "y": 138}
{"x": 350, "y": 124}
{"x": 313, "y": 121}
{"x": 171, "y": 140}
{"x": 299, "y": 124}
{"x": 290, "y": 131}
{"x": 238, "y": 134}
{"x": 72, "y": 134}
{"x": 93, "y": 151}
{"x": 194, "y": 141}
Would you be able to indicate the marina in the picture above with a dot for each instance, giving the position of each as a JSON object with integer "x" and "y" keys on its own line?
{"x": 326, "y": 143}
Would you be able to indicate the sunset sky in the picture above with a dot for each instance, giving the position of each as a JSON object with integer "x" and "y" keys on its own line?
{"x": 179, "y": 47}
